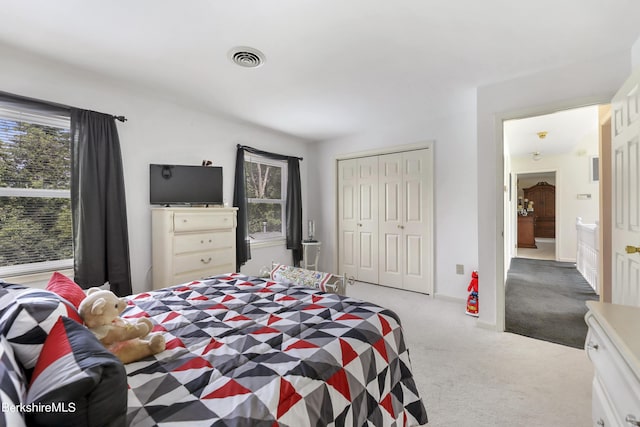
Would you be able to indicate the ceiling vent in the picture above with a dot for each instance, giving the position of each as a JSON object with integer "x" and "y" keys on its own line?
{"x": 247, "y": 57}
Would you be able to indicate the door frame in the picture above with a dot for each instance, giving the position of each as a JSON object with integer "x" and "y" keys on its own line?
{"x": 428, "y": 144}
{"x": 502, "y": 203}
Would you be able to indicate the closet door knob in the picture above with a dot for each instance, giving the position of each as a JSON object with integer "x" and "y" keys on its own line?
{"x": 592, "y": 346}
{"x": 600, "y": 422}
{"x": 632, "y": 249}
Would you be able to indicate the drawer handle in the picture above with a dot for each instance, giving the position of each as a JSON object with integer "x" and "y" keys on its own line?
{"x": 632, "y": 420}
{"x": 592, "y": 346}
{"x": 205, "y": 262}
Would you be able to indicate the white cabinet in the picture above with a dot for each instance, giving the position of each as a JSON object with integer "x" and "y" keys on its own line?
{"x": 613, "y": 346}
{"x": 191, "y": 243}
{"x": 385, "y": 206}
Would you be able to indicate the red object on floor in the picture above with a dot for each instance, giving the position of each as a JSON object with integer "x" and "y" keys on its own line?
{"x": 472, "y": 300}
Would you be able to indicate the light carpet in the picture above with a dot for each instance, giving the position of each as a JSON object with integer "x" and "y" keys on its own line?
{"x": 471, "y": 376}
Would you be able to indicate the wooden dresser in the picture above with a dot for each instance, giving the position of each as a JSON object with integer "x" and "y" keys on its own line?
{"x": 526, "y": 237}
{"x": 543, "y": 196}
{"x": 191, "y": 243}
{"x": 613, "y": 346}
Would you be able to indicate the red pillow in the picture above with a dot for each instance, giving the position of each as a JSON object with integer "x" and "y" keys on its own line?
{"x": 66, "y": 288}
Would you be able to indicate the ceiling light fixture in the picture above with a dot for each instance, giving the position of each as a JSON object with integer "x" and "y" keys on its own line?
{"x": 246, "y": 57}
{"x": 542, "y": 134}
{"x": 535, "y": 156}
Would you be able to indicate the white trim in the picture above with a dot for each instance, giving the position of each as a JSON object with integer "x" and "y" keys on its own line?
{"x": 60, "y": 122}
{"x": 387, "y": 150}
{"x": 279, "y": 241}
{"x": 34, "y": 192}
{"x": 35, "y": 267}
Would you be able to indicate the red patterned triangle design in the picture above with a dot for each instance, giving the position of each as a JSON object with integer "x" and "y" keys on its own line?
{"x": 288, "y": 397}
{"x": 231, "y": 388}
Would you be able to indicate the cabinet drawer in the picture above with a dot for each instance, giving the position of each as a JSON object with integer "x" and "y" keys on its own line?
{"x": 192, "y": 221}
{"x": 601, "y": 411}
{"x": 202, "y": 261}
{"x": 618, "y": 380}
{"x": 183, "y": 243}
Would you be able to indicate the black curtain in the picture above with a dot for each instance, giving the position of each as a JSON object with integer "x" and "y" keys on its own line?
{"x": 294, "y": 210}
{"x": 100, "y": 235}
{"x": 243, "y": 248}
{"x": 293, "y": 206}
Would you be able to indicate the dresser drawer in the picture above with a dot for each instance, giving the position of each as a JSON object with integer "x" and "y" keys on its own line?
{"x": 206, "y": 260}
{"x": 601, "y": 412}
{"x": 618, "y": 381}
{"x": 184, "y": 243}
{"x": 198, "y": 221}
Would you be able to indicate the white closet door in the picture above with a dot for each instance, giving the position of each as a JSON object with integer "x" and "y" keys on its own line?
{"x": 348, "y": 214}
{"x": 416, "y": 202}
{"x": 367, "y": 224}
{"x": 391, "y": 220}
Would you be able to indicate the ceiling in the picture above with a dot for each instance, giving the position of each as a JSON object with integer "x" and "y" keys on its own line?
{"x": 565, "y": 132}
{"x": 333, "y": 67}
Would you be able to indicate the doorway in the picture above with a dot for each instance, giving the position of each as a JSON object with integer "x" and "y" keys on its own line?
{"x": 535, "y": 240}
{"x": 552, "y": 151}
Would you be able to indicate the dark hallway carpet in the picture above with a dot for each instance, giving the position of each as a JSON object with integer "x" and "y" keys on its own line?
{"x": 546, "y": 300}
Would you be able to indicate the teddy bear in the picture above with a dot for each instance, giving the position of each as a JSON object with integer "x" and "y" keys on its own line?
{"x": 101, "y": 310}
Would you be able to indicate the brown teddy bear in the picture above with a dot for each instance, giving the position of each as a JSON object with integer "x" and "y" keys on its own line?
{"x": 101, "y": 311}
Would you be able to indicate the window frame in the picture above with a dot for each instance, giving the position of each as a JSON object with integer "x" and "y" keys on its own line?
{"x": 52, "y": 120}
{"x": 284, "y": 173}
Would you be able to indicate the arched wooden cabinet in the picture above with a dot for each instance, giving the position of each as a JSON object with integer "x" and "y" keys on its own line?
{"x": 543, "y": 196}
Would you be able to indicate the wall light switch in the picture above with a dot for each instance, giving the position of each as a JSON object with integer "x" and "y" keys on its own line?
{"x": 459, "y": 269}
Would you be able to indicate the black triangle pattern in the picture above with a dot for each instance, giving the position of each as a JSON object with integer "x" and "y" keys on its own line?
{"x": 276, "y": 353}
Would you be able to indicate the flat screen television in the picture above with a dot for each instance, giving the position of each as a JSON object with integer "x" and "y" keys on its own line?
{"x": 185, "y": 185}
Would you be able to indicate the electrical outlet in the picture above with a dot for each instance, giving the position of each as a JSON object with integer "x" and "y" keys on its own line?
{"x": 459, "y": 269}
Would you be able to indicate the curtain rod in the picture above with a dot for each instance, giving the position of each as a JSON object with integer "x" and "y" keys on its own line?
{"x": 11, "y": 98}
{"x": 256, "y": 151}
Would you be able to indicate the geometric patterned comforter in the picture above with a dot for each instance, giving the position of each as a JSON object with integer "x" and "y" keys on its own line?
{"x": 244, "y": 351}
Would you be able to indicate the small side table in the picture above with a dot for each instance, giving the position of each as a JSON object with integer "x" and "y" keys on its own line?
{"x": 306, "y": 261}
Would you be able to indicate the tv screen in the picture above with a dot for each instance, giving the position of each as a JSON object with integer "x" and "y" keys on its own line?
{"x": 179, "y": 184}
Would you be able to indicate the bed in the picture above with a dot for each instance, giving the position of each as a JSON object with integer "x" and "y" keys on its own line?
{"x": 241, "y": 351}
{"x": 245, "y": 351}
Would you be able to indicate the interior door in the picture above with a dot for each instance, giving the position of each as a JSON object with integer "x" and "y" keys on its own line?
{"x": 391, "y": 216}
{"x": 367, "y": 224}
{"x": 416, "y": 171}
{"x": 625, "y": 152}
{"x": 348, "y": 214}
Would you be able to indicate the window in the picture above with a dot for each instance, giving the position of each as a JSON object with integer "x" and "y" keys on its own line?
{"x": 35, "y": 204}
{"x": 266, "y": 184}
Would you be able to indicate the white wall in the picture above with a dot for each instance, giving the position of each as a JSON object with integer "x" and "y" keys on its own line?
{"x": 572, "y": 178}
{"x": 158, "y": 130}
{"x": 635, "y": 54}
{"x": 455, "y": 222}
{"x": 569, "y": 86}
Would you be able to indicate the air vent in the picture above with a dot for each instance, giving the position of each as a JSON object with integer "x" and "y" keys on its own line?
{"x": 246, "y": 57}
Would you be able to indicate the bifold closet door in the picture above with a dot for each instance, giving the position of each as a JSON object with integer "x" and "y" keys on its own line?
{"x": 404, "y": 238}
{"x": 358, "y": 218}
